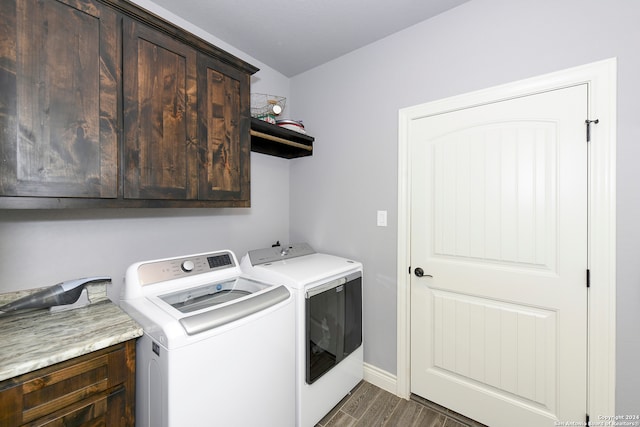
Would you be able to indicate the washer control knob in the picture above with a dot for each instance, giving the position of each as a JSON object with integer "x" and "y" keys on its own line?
{"x": 187, "y": 266}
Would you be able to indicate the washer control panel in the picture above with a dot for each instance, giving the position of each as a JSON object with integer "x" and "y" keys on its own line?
{"x": 278, "y": 253}
{"x": 176, "y": 268}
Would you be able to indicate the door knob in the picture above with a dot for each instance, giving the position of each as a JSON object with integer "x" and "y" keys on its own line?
{"x": 420, "y": 272}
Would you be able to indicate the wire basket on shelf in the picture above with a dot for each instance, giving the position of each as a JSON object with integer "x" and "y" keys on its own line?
{"x": 266, "y": 107}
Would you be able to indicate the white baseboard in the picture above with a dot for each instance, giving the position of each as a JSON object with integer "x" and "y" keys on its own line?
{"x": 380, "y": 378}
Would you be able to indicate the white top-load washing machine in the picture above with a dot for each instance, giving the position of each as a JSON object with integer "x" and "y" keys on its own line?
{"x": 328, "y": 299}
{"x": 218, "y": 347}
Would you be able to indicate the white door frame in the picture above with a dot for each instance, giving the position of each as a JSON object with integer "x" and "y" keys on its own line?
{"x": 600, "y": 78}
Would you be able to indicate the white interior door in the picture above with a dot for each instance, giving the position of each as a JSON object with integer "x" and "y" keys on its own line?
{"x": 499, "y": 222}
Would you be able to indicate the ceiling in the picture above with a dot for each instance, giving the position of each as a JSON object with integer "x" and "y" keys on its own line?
{"x": 293, "y": 36}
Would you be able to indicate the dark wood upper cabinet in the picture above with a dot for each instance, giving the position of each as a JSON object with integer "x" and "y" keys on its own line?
{"x": 223, "y": 132}
{"x": 106, "y": 105}
{"x": 160, "y": 116}
{"x": 59, "y": 77}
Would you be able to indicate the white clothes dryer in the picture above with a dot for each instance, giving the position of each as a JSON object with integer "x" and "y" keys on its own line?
{"x": 328, "y": 299}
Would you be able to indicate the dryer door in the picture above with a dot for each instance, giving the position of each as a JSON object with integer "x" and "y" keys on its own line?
{"x": 333, "y": 324}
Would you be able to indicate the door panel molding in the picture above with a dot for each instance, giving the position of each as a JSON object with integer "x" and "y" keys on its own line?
{"x": 600, "y": 78}
{"x": 514, "y": 368}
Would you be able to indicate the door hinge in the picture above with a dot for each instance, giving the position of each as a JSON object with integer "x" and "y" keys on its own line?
{"x": 588, "y": 278}
{"x": 588, "y": 123}
{"x": 587, "y": 420}
{"x": 409, "y": 270}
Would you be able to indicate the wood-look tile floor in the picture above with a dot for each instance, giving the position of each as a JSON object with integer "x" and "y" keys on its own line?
{"x": 368, "y": 406}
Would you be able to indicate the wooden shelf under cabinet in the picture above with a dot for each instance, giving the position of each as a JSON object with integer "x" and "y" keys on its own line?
{"x": 95, "y": 389}
{"x": 267, "y": 138}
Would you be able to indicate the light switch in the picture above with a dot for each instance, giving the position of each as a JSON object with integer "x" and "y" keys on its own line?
{"x": 382, "y": 218}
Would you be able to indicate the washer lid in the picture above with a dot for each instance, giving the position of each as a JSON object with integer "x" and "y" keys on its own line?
{"x": 211, "y": 294}
{"x": 203, "y": 321}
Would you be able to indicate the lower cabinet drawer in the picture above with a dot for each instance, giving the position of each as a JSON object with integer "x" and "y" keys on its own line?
{"x": 98, "y": 410}
{"x": 74, "y": 392}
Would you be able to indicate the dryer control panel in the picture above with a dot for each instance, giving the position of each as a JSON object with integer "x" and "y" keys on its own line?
{"x": 278, "y": 253}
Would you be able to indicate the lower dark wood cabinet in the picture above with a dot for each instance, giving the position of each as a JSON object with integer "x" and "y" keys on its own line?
{"x": 95, "y": 389}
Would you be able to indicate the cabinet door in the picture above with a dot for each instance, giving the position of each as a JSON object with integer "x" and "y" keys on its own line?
{"x": 224, "y": 113}
{"x": 95, "y": 389}
{"x": 160, "y": 116}
{"x": 59, "y": 77}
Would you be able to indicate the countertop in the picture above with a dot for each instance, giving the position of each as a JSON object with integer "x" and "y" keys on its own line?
{"x": 35, "y": 339}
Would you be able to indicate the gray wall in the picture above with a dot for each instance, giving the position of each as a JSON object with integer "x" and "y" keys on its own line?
{"x": 41, "y": 248}
{"x": 351, "y": 106}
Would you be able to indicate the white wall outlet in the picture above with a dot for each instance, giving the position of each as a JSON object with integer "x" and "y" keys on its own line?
{"x": 382, "y": 218}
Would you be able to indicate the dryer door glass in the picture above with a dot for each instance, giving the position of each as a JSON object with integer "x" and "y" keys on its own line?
{"x": 333, "y": 324}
